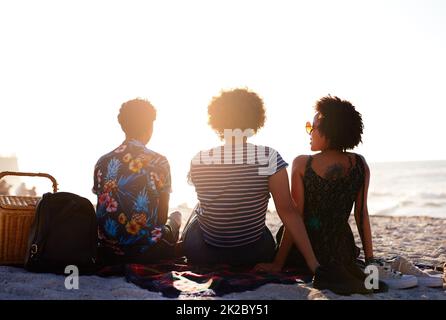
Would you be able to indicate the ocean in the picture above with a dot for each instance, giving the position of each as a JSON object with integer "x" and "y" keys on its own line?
{"x": 408, "y": 188}
{"x": 399, "y": 189}
{"x": 396, "y": 188}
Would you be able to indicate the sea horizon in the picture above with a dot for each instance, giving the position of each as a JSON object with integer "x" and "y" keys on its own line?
{"x": 397, "y": 188}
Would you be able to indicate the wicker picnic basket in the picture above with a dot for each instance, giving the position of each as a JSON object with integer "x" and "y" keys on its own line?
{"x": 16, "y": 217}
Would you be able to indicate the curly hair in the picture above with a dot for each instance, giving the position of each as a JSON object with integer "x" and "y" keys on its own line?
{"x": 236, "y": 109}
{"x": 339, "y": 122}
{"x": 135, "y": 116}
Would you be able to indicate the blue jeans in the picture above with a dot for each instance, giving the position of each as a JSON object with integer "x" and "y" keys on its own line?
{"x": 197, "y": 251}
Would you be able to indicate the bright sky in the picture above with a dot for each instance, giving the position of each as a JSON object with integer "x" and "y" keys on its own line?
{"x": 66, "y": 66}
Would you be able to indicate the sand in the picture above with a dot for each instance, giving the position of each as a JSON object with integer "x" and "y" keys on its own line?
{"x": 421, "y": 239}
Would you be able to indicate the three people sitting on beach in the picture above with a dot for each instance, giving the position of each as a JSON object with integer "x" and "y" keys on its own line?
{"x": 234, "y": 182}
{"x": 133, "y": 185}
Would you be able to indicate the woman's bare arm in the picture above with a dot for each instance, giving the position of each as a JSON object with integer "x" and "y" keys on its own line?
{"x": 364, "y": 228}
{"x": 297, "y": 195}
{"x": 292, "y": 220}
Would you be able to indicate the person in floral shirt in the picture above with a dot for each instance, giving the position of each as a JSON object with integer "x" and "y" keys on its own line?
{"x": 133, "y": 184}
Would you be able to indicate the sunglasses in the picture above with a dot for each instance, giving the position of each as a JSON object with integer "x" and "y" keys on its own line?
{"x": 309, "y": 127}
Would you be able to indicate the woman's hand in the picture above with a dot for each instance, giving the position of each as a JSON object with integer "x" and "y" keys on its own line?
{"x": 267, "y": 267}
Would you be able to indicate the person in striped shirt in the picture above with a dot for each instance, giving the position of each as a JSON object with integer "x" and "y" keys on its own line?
{"x": 234, "y": 183}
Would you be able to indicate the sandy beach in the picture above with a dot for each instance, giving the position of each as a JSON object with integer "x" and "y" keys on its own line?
{"x": 421, "y": 239}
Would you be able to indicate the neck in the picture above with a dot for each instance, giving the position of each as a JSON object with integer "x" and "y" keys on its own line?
{"x": 139, "y": 139}
{"x": 236, "y": 141}
{"x": 331, "y": 151}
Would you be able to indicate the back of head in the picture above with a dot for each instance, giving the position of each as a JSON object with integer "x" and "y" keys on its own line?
{"x": 340, "y": 123}
{"x": 136, "y": 117}
{"x": 236, "y": 109}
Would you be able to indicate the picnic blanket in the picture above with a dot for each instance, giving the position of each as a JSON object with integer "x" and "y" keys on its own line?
{"x": 172, "y": 278}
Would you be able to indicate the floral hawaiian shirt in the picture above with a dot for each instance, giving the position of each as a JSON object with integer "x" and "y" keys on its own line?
{"x": 128, "y": 182}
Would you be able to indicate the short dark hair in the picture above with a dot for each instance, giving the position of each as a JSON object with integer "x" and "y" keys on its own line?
{"x": 236, "y": 109}
{"x": 135, "y": 116}
{"x": 339, "y": 122}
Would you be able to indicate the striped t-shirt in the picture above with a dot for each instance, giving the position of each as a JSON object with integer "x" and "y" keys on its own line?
{"x": 232, "y": 188}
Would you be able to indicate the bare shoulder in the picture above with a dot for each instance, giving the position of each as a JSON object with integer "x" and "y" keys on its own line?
{"x": 366, "y": 166}
{"x": 300, "y": 162}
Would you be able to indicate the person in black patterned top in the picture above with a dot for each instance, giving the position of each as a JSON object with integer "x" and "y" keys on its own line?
{"x": 324, "y": 188}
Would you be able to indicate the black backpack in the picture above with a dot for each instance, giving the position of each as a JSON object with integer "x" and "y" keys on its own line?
{"x": 64, "y": 232}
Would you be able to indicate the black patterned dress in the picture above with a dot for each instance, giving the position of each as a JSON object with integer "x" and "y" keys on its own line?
{"x": 327, "y": 208}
